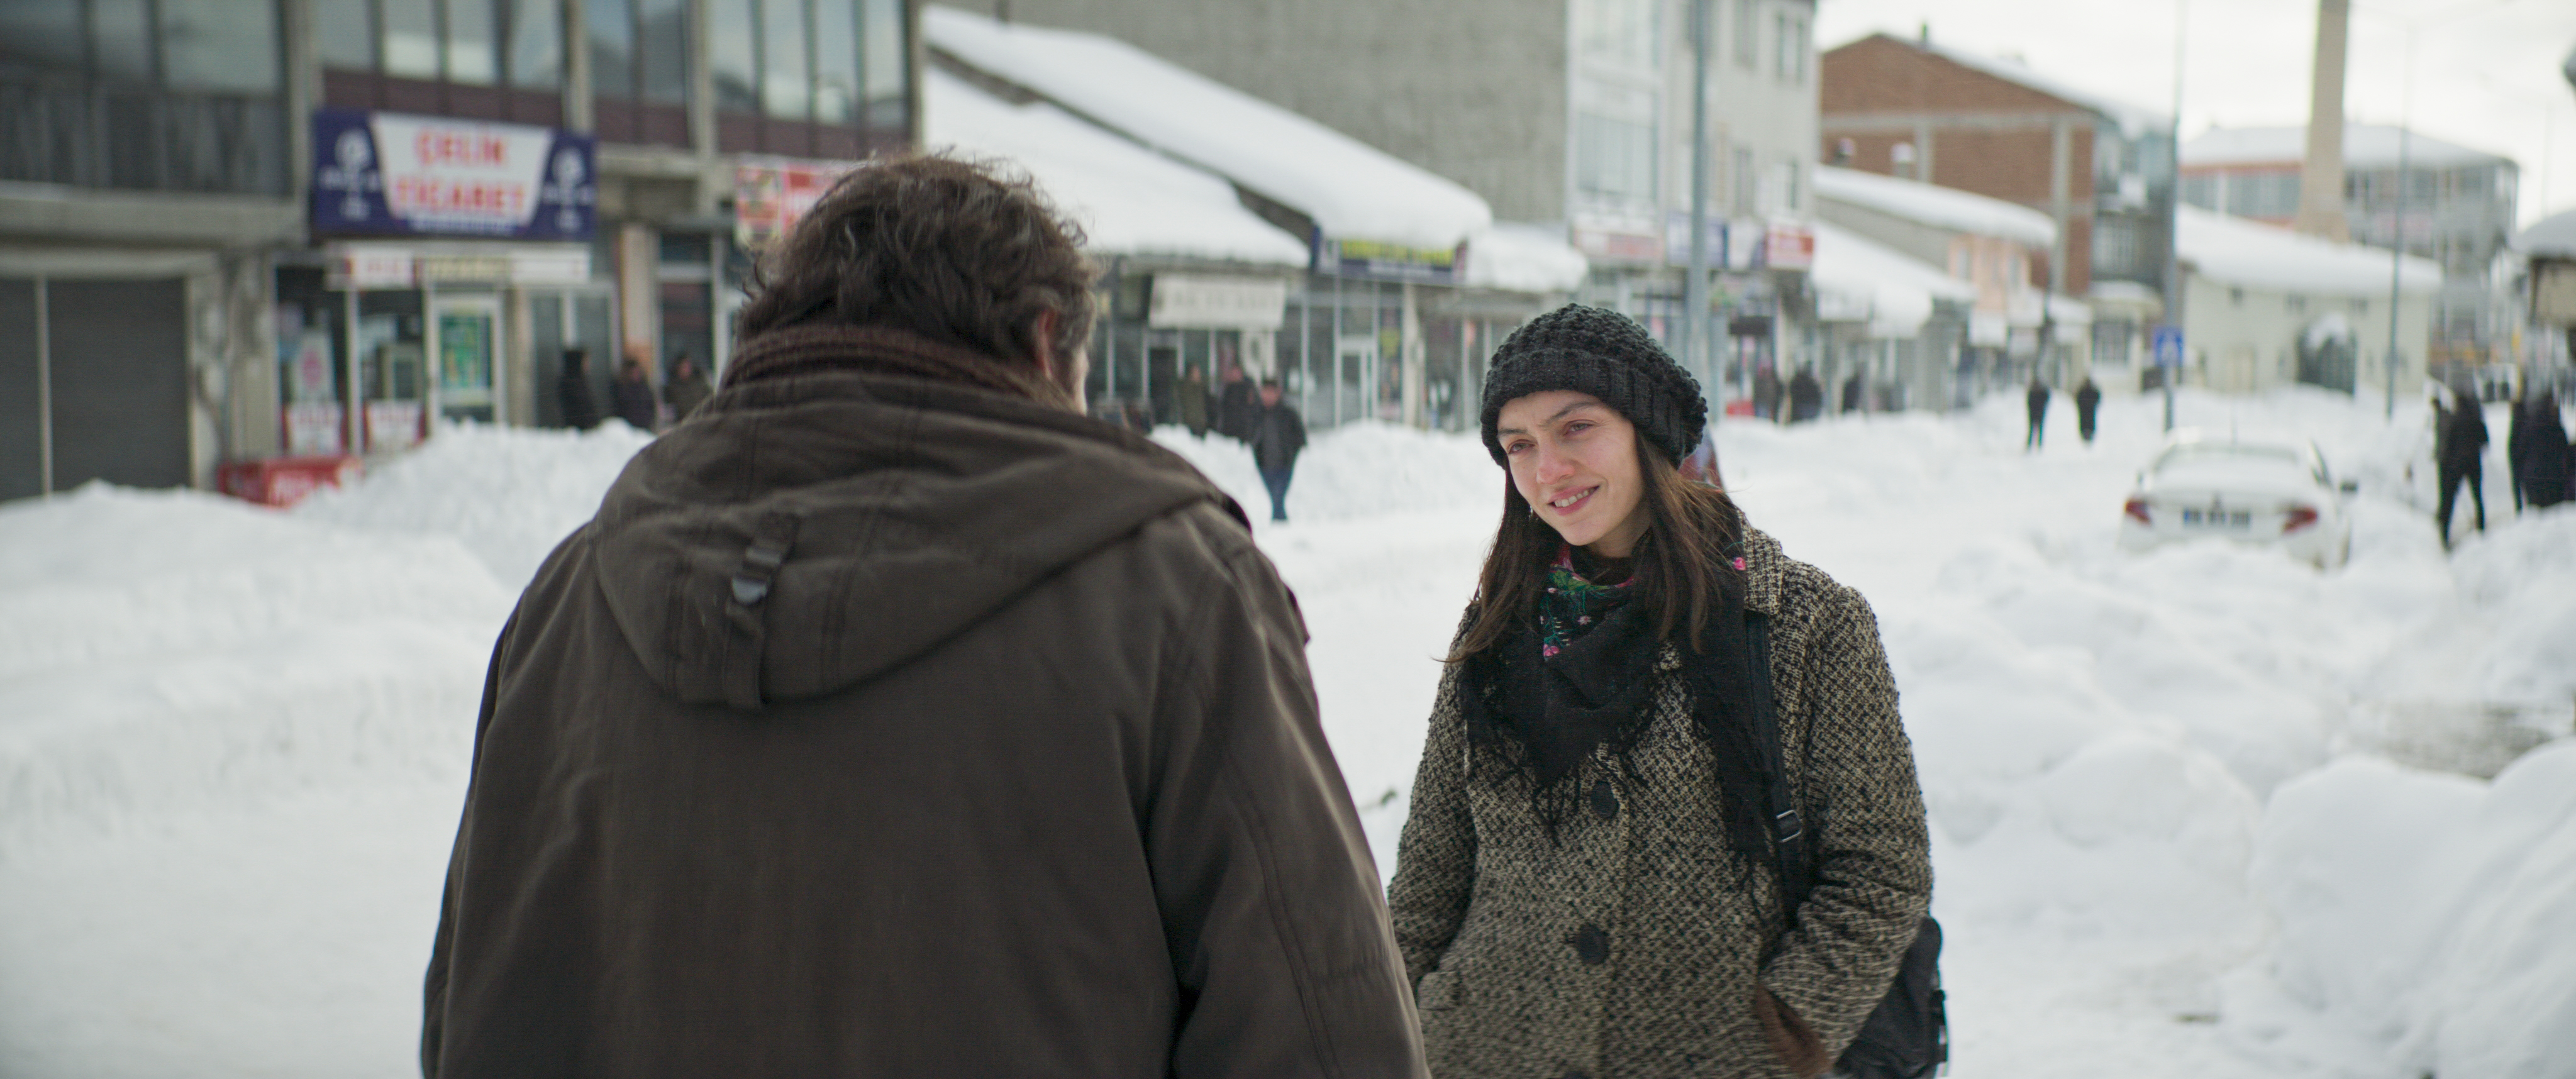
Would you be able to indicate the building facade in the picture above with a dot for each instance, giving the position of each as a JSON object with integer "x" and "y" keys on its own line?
{"x": 2434, "y": 199}
{"x": 1571, "y": 115}
{"x": 2100, "y": 169}
{"x": 321, "y": 226}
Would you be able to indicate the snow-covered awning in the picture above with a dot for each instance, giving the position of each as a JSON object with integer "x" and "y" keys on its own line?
{"x": 2552, "y": 237}
{"x": 1940, "y": 207}
{"x": 1518, "y": 257}
{"x": 2236, "y": 251}
{"x": 1859, "y": 280}
{"x": 1130, "y": 200}
{"x": 1352, "y": 190}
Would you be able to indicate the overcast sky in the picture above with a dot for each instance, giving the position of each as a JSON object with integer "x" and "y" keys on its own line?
{"x": 2485, "y": 71}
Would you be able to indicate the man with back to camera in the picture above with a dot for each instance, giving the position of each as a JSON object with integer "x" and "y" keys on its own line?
{"x": 892, "y": 718}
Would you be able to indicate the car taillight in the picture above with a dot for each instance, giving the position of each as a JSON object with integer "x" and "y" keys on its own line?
{"x": 2137, "y": 508}
{"x": 2300, "y": 517}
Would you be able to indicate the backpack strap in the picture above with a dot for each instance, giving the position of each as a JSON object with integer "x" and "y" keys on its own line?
{"x": 1788, "y": 831}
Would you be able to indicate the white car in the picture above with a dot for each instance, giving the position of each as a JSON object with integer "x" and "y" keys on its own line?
{"x": 2270, "y": 493}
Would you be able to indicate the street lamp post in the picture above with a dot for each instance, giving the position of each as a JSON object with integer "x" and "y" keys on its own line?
{"x": 1695, "y": 328}
{"x": 2173, "y": 220}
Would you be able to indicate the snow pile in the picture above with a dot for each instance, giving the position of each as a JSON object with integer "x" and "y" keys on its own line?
{"x": 1351, "y": 189}
{"x": 2236, "y": 251}
{"x": 2428, "y": 923}
{"x": 1129, "y": 200}
{"x": 1931, "y": 204}
{"x": 509, "y": 494}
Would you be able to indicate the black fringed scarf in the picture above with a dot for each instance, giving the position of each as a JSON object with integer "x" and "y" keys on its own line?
{"x": 1539, "y": 714}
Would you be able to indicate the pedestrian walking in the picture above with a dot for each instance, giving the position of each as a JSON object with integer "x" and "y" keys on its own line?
{"x": 572, "y": 391}
{"x": 686, "y": 389}
{"x": 1587, "y": 881}
{"x": 2460, "y": 453}
{"x": 1236, "y": 404}
{"x": 632, "y": 396}
{"x": 1192, "y": 399}
{"x": 2037, "y": 398}
{"x": 2543, "y": 476}
{"x": 1851, "y": 394}
{"x": 1806, "y": 396}
{"x": 1278, "y": 435}
{"x": 1767, "y": 393}
{"x": 2088, "y": 404}
{"x": 892, "y": 718}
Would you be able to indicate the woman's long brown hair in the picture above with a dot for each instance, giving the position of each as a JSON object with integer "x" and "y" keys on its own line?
{"x": 1681, "y": 565}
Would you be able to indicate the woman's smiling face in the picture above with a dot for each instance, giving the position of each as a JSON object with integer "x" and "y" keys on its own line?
{"x": 1574, "y": 460}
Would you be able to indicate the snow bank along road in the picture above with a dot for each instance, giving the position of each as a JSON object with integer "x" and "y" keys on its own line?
{"x": 2205, "y": 812}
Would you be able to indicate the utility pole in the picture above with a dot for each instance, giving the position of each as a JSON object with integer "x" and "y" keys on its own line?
{"x": 2397, "y": 256}
{"x": 1696, "y": 353}
{"x": 2173, "y": 219}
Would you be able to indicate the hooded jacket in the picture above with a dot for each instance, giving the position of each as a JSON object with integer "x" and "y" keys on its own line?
{"x": 890, "y": 727}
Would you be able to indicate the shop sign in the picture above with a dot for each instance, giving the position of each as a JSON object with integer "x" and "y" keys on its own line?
{"x": 1618, "y": 246}
{"x": 771, "y": 195}
{"x": 394, "y": 267}
{"x": 1788, "y": 245}
{"x": 1677, "y": 240}
{"x": 1383, "y": 261}
{"x": 1189, "y": 301}
{"x": 390, "y": 174}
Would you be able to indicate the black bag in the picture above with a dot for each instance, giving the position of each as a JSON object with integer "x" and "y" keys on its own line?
{"x": 1908, "y": 1036}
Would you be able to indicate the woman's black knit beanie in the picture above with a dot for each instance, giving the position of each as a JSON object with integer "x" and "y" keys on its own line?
{"x": 1607, "y": 355}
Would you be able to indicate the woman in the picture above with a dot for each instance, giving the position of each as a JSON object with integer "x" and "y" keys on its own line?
{"x": 1586, "y": 885}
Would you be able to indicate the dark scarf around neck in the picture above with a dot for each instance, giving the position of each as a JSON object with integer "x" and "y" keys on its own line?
{"x": 887, "y": 350}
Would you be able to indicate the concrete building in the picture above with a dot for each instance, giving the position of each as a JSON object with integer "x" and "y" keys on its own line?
{"x": 234, "y": 230}
{"x": 2099, "y": 169}
{"x": 1572, "y": 116}
{"x": 2450, "y": 203}
{"x": 2266, "y": 307}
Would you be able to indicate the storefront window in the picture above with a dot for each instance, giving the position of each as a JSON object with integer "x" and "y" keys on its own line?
{"x": 887, "y": 83}
{"x": 786, "y": 91}
{"x": 612, "y": 47}
{"x": 344, "y": 33}
{"x": 411, "y": 40}
{"x": 472, "y": 56}
{"x": 536, "y": 44}
{"x": 664, "y": 55}
{"x": 731, "y": 52}
{"x": 836, "y": 62}
{"x": 389, "y": 343}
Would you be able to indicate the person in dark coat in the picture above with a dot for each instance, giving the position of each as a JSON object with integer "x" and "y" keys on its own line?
{"x": 1278, "y": 435}
{"x": 2461, "y": 451}
{"x": 1585, "y": 885}
{"x": 572, "y": 391}
{"x": 2088, "y": 403}
{"x": 2038, "y": 404}
{"x": 892, "y": 718}
{"x": 1851, "y": 393}
{"x": 686, "y": 389}
{"x": 633, "y": 397}
{"x": 1806, "y": 396}
{"x": 1767, "y": 393}
{"x": 2543, "y": 477}
{"x": 1192, "y": 399}
{"x": 1236, "y": 405}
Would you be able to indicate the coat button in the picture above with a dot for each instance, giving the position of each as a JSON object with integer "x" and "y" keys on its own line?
{"x": 1605, "y": 801}
{"x": 1591, "y": 945}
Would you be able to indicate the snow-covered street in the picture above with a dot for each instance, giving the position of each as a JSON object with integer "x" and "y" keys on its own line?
{"x": 2197, "y": 813}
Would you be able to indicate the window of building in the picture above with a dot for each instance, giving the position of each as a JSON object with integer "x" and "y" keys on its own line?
{"x": 42, "y": 37}
{"x": 173, "y": 95}
{"x": 411, "y": 40}
{"x": 1747, "y": 185}
{"x": 781, "y": 65}
{"x": 662, "y": 52}
{"x": 611, "y": 40}
{"x": 786, "y": 77}
{"x": 1618, "y": 33}
{"x": 535, "y": 44}
{"x": 344, "y": 33}
{"x": 1748, "y": 32}
{"x": 1614, "y": 158}
{"x": 488, "y": 59}
{"x": 472, "y": 49}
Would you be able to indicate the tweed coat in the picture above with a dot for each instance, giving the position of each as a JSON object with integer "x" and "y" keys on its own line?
{"x": 1630, "y": 945}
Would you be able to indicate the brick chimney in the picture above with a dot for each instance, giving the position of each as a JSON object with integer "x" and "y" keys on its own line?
{"x": 2321, "y": 173}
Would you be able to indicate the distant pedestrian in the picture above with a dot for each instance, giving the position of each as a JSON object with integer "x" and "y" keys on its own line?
{"x": 2038, "y": 401}
{"x": 894, "y": 720}
{"x": 632, "y": 394}
{"x": 572, "y": 391}
{"x": 2543, "y": 476}
{"x": 1806, "y": 396}
{"x": 2088, "y": 402}
{"x": 1767, "y": 392}
{"x": 686, "y": 389}
{"x": 1192, "y": 398}
{"x": 1236, "y": 404}
{"x": 1851, "y": 393}
{"x": 1278, "y": 435}
{"x": 2461, "y": 450}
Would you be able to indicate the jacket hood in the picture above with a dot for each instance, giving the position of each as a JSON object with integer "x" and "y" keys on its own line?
{"x": 802, "y": 535}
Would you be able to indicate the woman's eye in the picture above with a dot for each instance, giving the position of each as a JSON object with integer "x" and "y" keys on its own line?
{"x": 1578, "y": 427}
{"x": 1510, "y": 448}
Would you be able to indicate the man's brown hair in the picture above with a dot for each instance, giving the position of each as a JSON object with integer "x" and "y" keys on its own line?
{"x": 957, "y": 251}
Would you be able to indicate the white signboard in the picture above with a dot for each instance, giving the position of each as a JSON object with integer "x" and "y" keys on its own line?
{"x": 1224, "y": 303}
{"x": 460, "y": 175}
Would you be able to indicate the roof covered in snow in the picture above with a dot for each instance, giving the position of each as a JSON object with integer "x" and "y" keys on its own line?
{"x": 1130, "y": 200}
{"x": 1941, "y": 207}
{"x": 2241, "y": 252}
{"x": 1858, "y": 279}
{"x": 1519, "y": 257}
{"x": 2365, "y": 146}
{"x": 2554, "y": 236}
{"x": 2133, "y": 120}
{"x": 1351, "y": 189}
